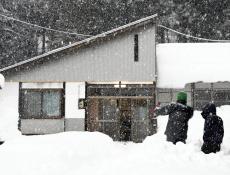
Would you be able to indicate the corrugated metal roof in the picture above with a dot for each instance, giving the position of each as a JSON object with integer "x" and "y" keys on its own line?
{"x": 87, "y": 41}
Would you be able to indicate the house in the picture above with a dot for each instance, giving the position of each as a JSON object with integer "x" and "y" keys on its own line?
{"x": 105, "y": 83}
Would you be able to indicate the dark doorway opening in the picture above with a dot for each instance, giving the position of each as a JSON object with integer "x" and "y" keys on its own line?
{"x": 125, "y": 119}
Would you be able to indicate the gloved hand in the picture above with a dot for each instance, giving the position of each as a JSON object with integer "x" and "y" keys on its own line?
{"x": 153, "y": 110}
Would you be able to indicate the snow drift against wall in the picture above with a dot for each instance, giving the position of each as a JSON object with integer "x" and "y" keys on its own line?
{"x": 2, "y": 80}
{"x": 181, "y": 63}
{"x": 9, "y": 111}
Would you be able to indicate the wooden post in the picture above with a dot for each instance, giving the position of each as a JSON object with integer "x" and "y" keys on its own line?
{"x": 193, "y": 95}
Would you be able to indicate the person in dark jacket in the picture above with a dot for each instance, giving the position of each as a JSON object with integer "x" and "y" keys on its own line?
{"x": 213, "y": 129}
{"x": 179, "y": 115}
{"x": 125, "y": 129}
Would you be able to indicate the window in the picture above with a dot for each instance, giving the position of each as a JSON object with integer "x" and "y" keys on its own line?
{"x": 136, "y": 49}
{"x": 41, "y": 103}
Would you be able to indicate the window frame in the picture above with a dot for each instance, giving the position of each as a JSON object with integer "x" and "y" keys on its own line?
{"x": 41, "y": 115}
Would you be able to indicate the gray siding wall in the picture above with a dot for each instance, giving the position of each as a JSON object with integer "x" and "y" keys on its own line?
{"x": 108, "y": 61}
{"x": 42, "y": 126}
{"x": 75, "y": 124}
{"x": 49, "y": 126}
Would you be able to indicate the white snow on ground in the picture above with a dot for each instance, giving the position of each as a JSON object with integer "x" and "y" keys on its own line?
{"x": 181, "y": 63}
{"x": 85, "y": 153}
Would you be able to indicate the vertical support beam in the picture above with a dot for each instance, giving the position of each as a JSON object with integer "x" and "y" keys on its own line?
{"x": 193, "y": 95}
{"x": 171, "y": 95}
{"x": 63, "y": 105}
{"x": 212, "y": 93}
{"x": 20, "y": 105}
{"x": 119, "y": 88}
{"x": 86, "y": 109}
{"x": 154, "y": 93}
{"x": 155, "y": 56}
{"x": 154, "y": 123}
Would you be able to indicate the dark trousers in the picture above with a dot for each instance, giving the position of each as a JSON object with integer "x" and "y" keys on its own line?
{"x": 174, "y": 141}
{"x": 210, "y": 148}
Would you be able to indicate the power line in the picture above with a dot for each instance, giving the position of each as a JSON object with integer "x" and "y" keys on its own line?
{"x": 83, "y": 35}
{"x": 50, "y": 29}
{"x": 190, "y": 36}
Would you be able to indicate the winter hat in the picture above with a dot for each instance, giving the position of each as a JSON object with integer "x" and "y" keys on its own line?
{"x": 181, "y": 97}
{"x": 208, "y": 109}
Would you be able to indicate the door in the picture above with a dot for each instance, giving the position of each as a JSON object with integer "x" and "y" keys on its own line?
{"x": 103, "y": 116}
{"x": 141, "y": 125}
{"x": 109, "y": 123}
{"x": 123, "y": 119}
{"x": 121, "y": 112}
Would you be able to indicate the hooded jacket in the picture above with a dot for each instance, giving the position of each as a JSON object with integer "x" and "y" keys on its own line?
{"x": 177, "y": 126}
{"x": 213, "y": 125}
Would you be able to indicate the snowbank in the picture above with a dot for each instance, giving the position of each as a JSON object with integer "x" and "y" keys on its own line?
{"x": 87, "y": 153}
{"x": 181, "y": 63}
{"x": 2, "y": 81}
{"x": 9, "y": 111}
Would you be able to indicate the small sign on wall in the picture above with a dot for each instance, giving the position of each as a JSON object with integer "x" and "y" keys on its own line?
{"x": 82, "y": 103}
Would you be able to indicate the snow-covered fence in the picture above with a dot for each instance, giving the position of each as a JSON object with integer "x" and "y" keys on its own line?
{"x": 198, "y": 94}
{"x": 218, "y": 92}
{"x": 167, "y": 95}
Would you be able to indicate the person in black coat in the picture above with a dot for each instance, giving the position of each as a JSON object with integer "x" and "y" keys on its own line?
{"x": 179, "y": 115}
{"x": 213, "y": 129}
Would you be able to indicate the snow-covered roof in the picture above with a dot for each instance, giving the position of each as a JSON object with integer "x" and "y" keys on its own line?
{"x": 181, "y": 63}
{"x": 88, "y": 41}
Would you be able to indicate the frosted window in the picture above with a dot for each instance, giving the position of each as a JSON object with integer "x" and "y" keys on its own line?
{"x": 32, "y": 104}
{"x": 142, "y": 112}
{"x": 51, "y": 103}
{"x": 109, "y": 109}
{"x": 41, "y": 103}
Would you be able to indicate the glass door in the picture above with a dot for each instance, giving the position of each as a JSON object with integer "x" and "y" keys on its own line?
{"x": 103, "y": 116}
{"x": 141, "y": 125}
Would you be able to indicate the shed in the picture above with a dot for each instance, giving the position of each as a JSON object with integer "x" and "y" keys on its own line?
{"x": 104, "y": 83}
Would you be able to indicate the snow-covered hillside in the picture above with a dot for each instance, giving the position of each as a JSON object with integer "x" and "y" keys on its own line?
{"x": 86, "y": 153}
